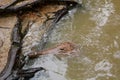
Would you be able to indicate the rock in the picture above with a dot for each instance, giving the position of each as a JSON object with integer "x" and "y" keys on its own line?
{"x": 38, "y": 27}
{"x": 6, "y": 25}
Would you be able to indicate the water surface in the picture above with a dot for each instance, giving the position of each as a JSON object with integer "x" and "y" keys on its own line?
{"x": 95, "y": 29}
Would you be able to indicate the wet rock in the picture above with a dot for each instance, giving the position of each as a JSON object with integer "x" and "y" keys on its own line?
{"x": 38, "y": 27}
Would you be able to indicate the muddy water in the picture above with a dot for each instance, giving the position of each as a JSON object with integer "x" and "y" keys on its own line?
{"x": 95, "y": 31}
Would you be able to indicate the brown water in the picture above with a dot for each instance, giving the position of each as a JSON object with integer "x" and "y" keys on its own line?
{"x": 95, "y": 29}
